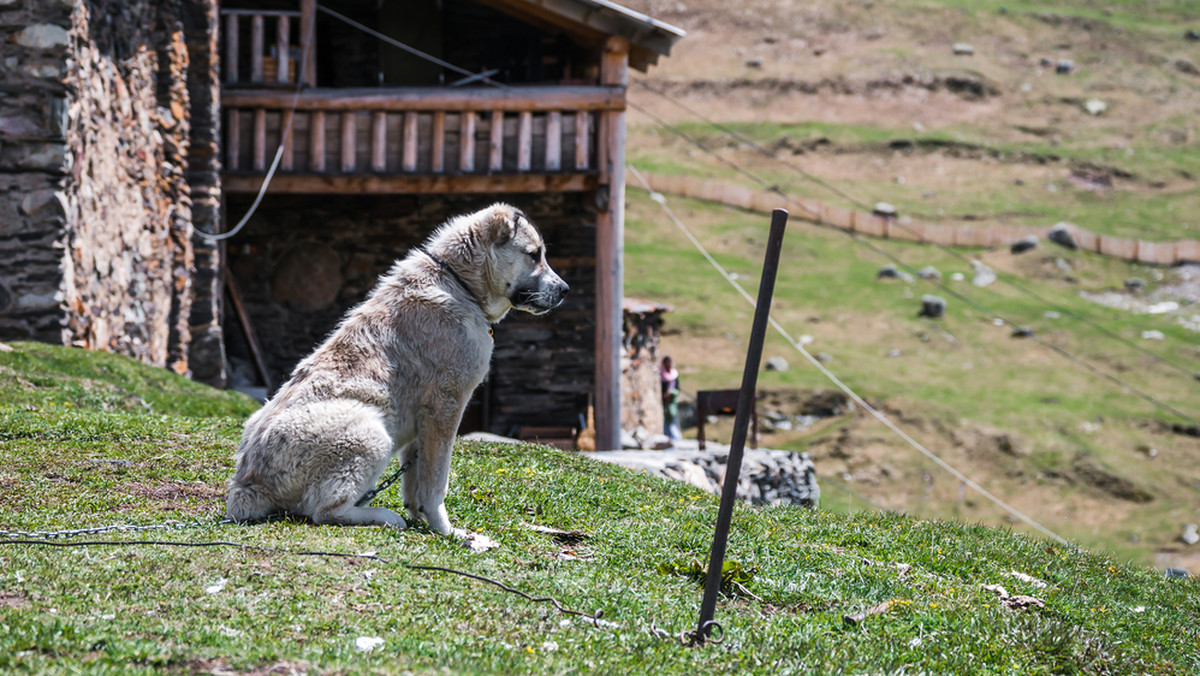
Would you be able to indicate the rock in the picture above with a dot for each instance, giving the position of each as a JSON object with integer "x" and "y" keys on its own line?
{"x": 1190, "y": 535}
{"x": 929, "y": 272}
{"x": 890, "y": 271}
{"x": 756, "y": 62}
{"x": 1022, "y": 332}
{"x": 1192, "y": 35}
{"x": 1186, "y": 67}
{"x": 1179, "y": 573}
{"x": 1153, "y": 335}
{"x": 1060, "y": 234}
{"x": 963, "y": 49}
{"x": 933, "y": 307}
{"x": 1135, "y": 284}
{"x": 893, "y": 353}
{"x": 957, "y": 277}
{"x": 983, "y": 274}
{"x": 42, "y": 36}
{"x": 776, "y": 364}
{"x": 1024, "y": 244}
{"x": 1064, "y": 67}
{"x": 826, "y": 358}
{"x": 1095, "y": 106}
{"x": 884, "y": 209}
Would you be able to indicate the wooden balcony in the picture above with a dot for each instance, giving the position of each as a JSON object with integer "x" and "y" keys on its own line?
{"x": 414, "y": 140}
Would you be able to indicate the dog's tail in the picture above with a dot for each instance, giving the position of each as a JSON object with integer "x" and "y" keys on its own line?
{"x": 248, "y": 502}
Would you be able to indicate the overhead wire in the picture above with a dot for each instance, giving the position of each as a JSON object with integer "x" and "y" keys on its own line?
{"x": 662, "y": 202}
{"x": 1004, "y": 278}
{"x": 813, "y": 215}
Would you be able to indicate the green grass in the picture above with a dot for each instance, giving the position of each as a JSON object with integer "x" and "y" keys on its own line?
{"x": 144, "y": 608}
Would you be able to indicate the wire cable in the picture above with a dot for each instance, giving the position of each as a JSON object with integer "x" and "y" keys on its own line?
{"x": 762, "y": 150}
{"x": 662, "y": 201}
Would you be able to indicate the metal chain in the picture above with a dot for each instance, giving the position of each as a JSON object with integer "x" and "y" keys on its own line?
{"x": 97, "y": 530}
{"x": 386, "y": 483}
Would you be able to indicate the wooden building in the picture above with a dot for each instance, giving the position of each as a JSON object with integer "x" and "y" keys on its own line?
{"x": 372, "y": 146}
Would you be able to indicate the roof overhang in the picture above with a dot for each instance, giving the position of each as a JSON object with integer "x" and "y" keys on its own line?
{"x": 592, "y": 21}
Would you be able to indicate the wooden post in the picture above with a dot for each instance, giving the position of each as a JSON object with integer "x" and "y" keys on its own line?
{"x": 554, "y": 141}
{"x": 260, "y": 139}
{"x": 610, "y": 245}
{"x": 286, "y": 162}
{"x": 496, "y": 147}
{"x": 231, "y": 48}
{"x": 379, "y": 141}
{"x": 525, "y": 141}
{"x": 308, "y": 43}
{"x": 256, "y": 48}
{"x": 283, "y": 36}
{"x": 581, "y": 140}
{"x": 408, "y": 155}
{"x": 437, "y": 163}
{"x": 233, "y": 140}
{"x": 466, "y": 142}
{"x": 349, "y": 133}
{"x": 316, "y": 141}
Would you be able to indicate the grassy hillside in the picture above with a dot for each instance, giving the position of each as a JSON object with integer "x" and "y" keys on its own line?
{"x": 271, "y": 603}
{"x": 870, "y": 98}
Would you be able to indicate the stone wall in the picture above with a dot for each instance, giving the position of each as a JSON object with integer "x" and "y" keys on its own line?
{"x": 95, "y": 131}
{"x": 641, "y": 389}
{"x": 301, "y": 262}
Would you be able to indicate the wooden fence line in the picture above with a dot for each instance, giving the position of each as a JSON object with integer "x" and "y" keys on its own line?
{"x": 876, "y": 225}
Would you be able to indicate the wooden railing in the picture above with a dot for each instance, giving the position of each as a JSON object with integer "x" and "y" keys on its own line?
{"x": 271, "y": 62}
{"x": 432, "y": 133}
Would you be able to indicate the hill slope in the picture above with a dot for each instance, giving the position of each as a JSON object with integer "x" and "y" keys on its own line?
{"x": 265, "y": 598}
{"x": 871, "y": 99}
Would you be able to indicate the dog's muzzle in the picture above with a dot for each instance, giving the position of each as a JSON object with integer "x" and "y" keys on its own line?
{"x": 542, "y": 298}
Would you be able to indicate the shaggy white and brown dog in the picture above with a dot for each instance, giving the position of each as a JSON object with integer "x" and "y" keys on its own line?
{"x": 394, "y": 379}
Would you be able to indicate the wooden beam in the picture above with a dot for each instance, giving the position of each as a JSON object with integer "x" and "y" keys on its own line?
{"x": 496, "y": 143}
{"x": 233, "y": 140}
{"x": 428, "y": 99}
{"x": 408, "y": 153}
{"x": 248, "y": 331}
{"x": 443, "y": 184}
{"x": 260, "y": 140}
{"x": 231, "y": 48}
{"x": 437, "y": 163}
{"x": 308, "y": 43}
{"x": 466, "y": 143}
{"x": 283, "y": 38}
{"x": 379, "y": 141}
{"x": 256, "y": 47}
{"x": 316, "y": 141}
{"x": 349, "y": 149}
{"x": 553, "y": 141}
{"x": 610, "y": 245}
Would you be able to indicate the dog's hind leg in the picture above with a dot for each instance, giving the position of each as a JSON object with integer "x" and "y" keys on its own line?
{"x": 354, "y": 450}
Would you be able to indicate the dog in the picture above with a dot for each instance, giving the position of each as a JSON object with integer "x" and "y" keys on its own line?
{"x": 393, "y": 379}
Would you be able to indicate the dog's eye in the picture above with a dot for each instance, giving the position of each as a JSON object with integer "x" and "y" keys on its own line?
{"x": 535, "y": 256}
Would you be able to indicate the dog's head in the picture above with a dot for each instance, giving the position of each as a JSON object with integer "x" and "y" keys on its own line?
{"x": 518, "y": 263}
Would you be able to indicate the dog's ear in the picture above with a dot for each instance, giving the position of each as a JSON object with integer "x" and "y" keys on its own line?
{"x": 503, "y": 225}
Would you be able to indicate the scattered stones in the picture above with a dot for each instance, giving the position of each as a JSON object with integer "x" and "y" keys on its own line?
{"x": 1064, "y": 67}
{"x": 933, "y": 307}
{"x": 885, "y": 209}
{"x": 1190, "y": 535}
{"x": 1186, "y": 67}
{"x": 767, "y": 477}
{"x": 1022, "y": 332}
{"x": 1060, "y": 234}
{"x": 826, "y": 358}
{"x": 890, "y": 271}
{"x": 1024, "y": 244}
{"x": 983, "y": 274}
{"x": 1135, "y": 284}
{"x": 1153, "y": 335}
{"x": 1192, "y": 35}
{"x": 929, "y": 272}
{"x": 1177, "y": 573}
{"x": 1095, "y": 107}
{"x": 957, "y": 277}
{"x": 756, "y": 62}
{"x": 776, "y": 364}
{"x": 963, "y": 49}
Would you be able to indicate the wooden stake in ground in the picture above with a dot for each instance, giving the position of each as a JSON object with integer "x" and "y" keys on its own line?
{"x": 762, "y": 310}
